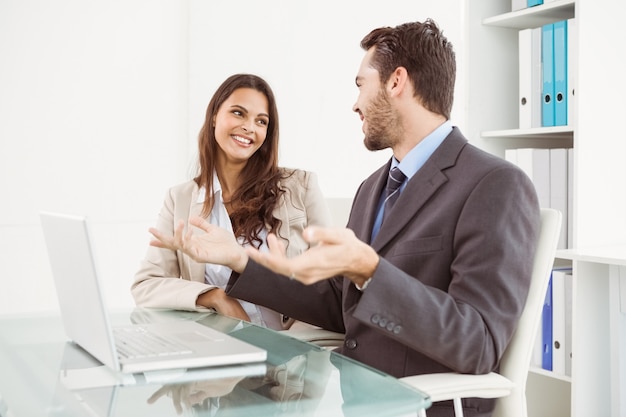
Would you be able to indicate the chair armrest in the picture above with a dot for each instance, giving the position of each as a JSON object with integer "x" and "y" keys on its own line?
{"x": 320, "y": 337}
{"x": 450, "y": 385}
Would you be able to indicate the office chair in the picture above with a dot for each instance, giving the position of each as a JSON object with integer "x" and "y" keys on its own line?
{"x": 509, "y": 384}
{"x": 324, "y": 338}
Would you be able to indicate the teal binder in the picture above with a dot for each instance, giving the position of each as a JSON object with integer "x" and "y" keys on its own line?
{"x": 560, "y": 73}
{"x": 547, "y": 64}
{"x": 531, "y": 3}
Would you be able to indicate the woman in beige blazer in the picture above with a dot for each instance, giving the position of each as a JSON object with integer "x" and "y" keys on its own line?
{"x": 239, "y": 187}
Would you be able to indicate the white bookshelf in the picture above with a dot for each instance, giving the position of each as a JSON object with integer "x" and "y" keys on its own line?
{"x": 598, "y": 257}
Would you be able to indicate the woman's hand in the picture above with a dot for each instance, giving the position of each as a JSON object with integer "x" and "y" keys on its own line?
{"x": 222, "y": 303}
{"x": 215, "y": 246}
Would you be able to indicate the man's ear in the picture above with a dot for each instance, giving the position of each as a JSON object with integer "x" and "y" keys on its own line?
{"x": 398, "y": 81}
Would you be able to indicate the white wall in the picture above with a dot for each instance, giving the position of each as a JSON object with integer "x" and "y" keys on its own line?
{"x": 101, "y": 103}
{"x": 309, "y": 53}
{"x": 92, "y": 120}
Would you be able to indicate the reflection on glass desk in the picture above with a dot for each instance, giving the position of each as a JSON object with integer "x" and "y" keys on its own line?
{"x": 43, "y": 374}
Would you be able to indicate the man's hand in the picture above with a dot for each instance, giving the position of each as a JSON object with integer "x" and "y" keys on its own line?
{"x": 334, "y": 251}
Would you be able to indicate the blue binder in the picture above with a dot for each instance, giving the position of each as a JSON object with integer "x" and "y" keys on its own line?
{"x": 531, "y": 3}
{"x": 547, "y": 64}
{"x": 560, "y": 73}
{"x": 546, "y": 329}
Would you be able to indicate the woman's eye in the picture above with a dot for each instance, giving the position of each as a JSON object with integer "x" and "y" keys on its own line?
{"x": 237, "y": 112}
{"x": 262, "y": 122}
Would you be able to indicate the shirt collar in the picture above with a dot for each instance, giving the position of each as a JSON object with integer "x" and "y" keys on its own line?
{"x": 417, "y": 157}
{"x": 217, "y": 190}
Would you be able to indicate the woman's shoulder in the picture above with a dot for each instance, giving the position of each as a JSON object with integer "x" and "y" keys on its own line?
{"x": 186, "y": 187}
{"x": 294, "y": 177}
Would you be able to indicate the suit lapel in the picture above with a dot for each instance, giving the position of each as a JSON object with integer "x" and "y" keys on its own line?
{"x": 420, "y": 188}
{"x": 363, "y": 213}
{"x": 417, "y": 192}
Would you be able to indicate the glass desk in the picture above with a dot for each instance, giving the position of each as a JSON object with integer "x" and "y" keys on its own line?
{"x": 43, "y": 374}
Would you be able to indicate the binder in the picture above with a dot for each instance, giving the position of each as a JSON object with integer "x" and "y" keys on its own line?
{"x": 570, "y": 198}
{"x": 511, "y": 155}
{"x": 536, "y": 164}
{"x": 546, "y": 329}
{"x": 559, "y": 302}
{"x": 518, "y": 5}
{"x": 572, "y": 66}
{"x": 536, "y": 358}
{"x": 560, "y": 73}
{"x": 568, "y": 322}
{"x": 547, "y": 63}
{"x": 529, "y": 78}
{"x": 558, "y": 189}
{"x": 531, "y": 3}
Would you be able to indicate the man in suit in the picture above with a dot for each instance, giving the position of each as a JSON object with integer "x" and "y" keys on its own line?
{"x": 440, "y": 283}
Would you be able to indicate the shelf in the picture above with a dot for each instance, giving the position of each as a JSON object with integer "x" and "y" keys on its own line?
{"x": 610, "y": 255}
{"x": 554, "y": 132}
{"x": 534, "y": 17}
{"x": 540, "y": 371}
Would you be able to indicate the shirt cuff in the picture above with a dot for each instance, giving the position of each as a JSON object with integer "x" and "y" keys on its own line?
{"x": 364, "y": 286}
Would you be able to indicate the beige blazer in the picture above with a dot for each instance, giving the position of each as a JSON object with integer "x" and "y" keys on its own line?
{"x": 169, "y": 279}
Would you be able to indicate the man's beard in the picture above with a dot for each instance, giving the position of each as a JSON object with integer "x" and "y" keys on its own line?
{"x": 383, "y": 124}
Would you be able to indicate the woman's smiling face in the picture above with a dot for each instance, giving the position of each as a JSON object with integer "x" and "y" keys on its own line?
{"x": 241, "y": 125}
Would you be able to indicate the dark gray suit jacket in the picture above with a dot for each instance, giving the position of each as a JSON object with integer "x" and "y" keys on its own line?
{"x": 456, "y": 258}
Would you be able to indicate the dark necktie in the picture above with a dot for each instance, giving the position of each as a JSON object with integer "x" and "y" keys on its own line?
{"x": 392, "y": 190}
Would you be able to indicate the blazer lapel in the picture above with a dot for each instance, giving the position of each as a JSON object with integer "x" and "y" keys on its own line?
{"x": 421, "y": 187}
{"x": 196, "y": 270}
{"x": 281, "y": 212}
{"x": 363, "y": 215}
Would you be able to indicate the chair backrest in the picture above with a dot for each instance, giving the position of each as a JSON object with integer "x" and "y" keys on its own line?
{"x": 515, "y": 362}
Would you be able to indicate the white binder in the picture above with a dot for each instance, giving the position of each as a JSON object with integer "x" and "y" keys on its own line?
{"x": 529, "y": 78}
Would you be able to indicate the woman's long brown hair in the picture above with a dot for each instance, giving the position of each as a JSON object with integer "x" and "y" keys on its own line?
{"x": 254, "y": 201}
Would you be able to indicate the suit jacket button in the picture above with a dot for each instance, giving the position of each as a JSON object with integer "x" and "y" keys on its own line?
{"x": 382, "y": 322}
{"x": 397, "y": 329}
{"x": 390, "y": 325}
{"x": 375, "y": 318}
{"x": 351, "y": 343}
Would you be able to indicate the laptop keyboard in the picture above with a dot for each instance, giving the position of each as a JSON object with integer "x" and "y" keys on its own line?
{"x": 137, "y": 342}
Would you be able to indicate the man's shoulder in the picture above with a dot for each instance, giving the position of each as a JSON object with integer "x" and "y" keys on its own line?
{"x": 459, "y": 144}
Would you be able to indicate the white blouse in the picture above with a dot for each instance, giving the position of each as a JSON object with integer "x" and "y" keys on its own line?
{"x": 218, "y": 275}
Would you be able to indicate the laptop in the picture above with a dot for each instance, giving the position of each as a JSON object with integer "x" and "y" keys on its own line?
{"x": 86, "y": 321}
